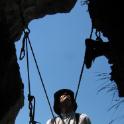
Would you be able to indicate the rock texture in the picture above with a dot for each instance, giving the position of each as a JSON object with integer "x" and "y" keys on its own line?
{"x": 11, "y": 87}
{"x": 15, "y": 15}
{"x": 13, "y": 10}
{"x": 107, "y": 17}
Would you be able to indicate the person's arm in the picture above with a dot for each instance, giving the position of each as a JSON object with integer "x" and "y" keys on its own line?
{"x": 87, "y": 120}
{"x": 50, "y": 121}
{"x": 84, "y": 119}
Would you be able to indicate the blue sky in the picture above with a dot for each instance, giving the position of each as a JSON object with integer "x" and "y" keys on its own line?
{"x": 59, "y": 44}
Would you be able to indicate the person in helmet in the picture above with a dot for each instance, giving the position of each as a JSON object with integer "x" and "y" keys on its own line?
{"x": 65, "y": 107}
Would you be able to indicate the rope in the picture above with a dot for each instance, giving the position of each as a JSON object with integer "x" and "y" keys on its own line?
{"x": 22, "y": 55}
{"x": 79, "y": 81}
{"x": 41, "y": 79}
{"x": 31, "y": 98}
{"x": 91, "y": 32}
{"x": 26, "y": 40}
{"x": 82, "y": 69}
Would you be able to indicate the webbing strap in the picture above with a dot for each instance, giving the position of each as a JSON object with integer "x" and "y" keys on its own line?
{"x": 77, "y": 116}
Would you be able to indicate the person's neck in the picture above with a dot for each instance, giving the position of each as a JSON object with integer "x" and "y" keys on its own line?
{"x": 67, "y": 114}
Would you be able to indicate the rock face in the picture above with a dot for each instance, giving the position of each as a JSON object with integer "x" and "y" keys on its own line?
{"x": 11, "y": 87}
{"x": 106, "y": 16}
{"x": 13, "y": 10}
{"x": 15, "y": 15}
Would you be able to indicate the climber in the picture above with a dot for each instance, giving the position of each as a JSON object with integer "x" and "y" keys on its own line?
{"x": 96, "y": 48}
{"x": 65, "y": 107}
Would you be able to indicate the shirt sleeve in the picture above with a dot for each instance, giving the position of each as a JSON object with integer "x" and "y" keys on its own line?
{"x": 84, "y": 119}
{"x": 87, "y": 120}
{"x": 50, "y": 121}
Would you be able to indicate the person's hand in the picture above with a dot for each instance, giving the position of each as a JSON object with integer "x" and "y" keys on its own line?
{"x": 64, "y": 98}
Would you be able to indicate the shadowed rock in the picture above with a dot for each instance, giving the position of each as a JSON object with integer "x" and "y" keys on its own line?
{"x": 106, "y": 17}
{"x": 15, "y": 15}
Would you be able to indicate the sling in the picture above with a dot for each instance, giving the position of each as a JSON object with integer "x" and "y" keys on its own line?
{"x": 77, "y": 115}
